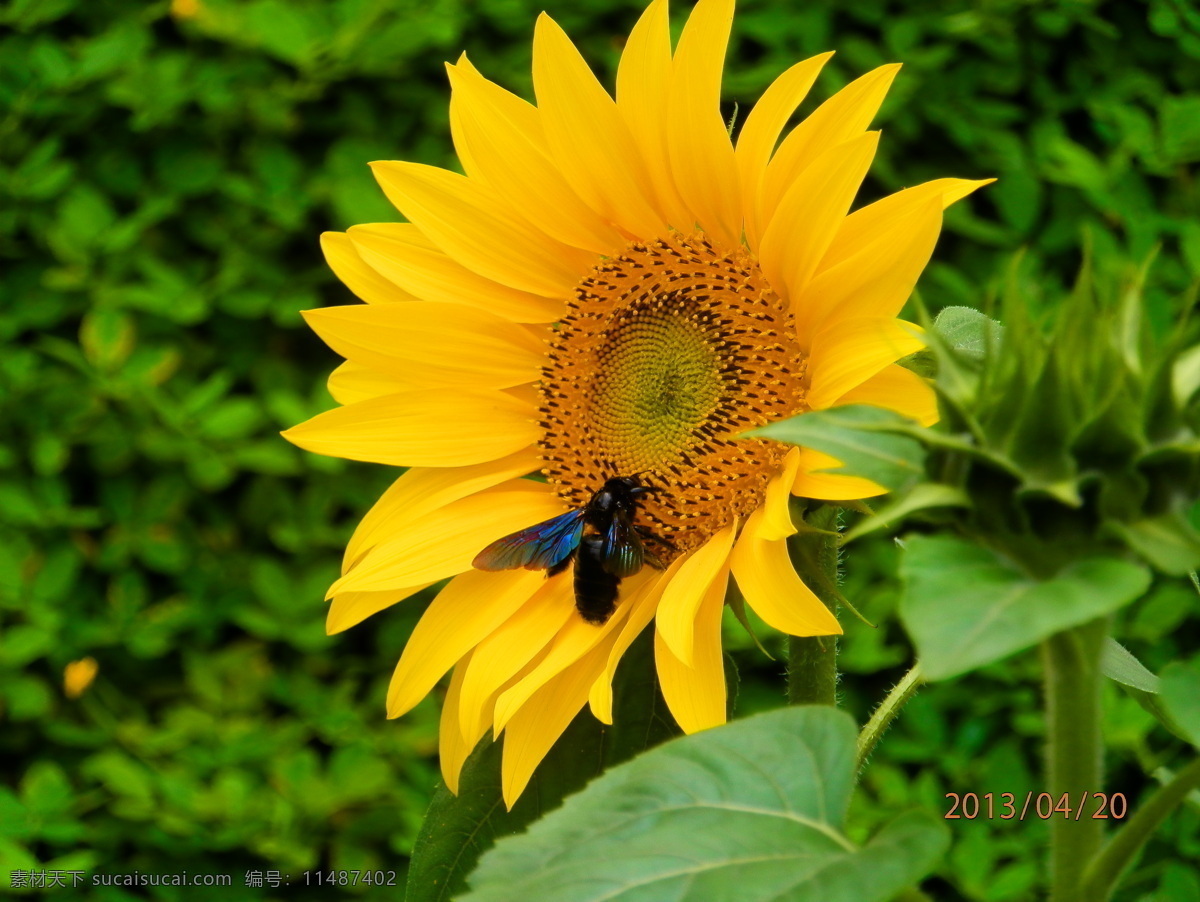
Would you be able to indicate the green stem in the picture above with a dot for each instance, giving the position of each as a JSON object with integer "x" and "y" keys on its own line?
{"x": 1074, "y": 751}
{"x": 812, "y": 660}
{"x": 1100, "y": 878}
{"x": 885, "y": 714}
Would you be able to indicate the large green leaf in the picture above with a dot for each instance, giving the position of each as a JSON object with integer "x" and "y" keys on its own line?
{"x": 1180, "y": 693}
{"x": 966, "y": 606}
{"x": 855, "y": 435}
{"x": 458, "y": 829}
{"x": 754, "y": 810}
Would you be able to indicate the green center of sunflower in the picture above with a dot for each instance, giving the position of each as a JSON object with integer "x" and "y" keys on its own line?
{"x": 660, "y": 377}
{"x": 667, "y": 354}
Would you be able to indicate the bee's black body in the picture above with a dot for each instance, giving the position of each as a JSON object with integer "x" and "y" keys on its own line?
{"x": 595, "y": 587}
{"x": 601, "y": 537}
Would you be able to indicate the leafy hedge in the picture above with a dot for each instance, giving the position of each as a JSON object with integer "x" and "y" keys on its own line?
{"x": 164, "y": 173}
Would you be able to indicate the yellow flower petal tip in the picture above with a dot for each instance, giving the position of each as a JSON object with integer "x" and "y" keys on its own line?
{"x": 597, "y": 247}
{"x": 78, "y": 676}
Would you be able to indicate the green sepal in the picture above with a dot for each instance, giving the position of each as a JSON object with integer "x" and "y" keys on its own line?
{"x": 737, "y": 604}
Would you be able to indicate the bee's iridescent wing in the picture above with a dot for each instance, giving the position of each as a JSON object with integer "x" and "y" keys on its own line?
{"x": 539, "y": 547}
{"x": 623, "y": 552}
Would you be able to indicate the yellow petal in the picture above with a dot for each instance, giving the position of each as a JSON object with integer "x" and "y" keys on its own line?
{"x": 877, "y": 224}
{"x": 442, "y": 428}
{"x": 875, "y": 282}
{"x": 777, "y": 514}
{"x": 445, "y": 541}
{"x": 422, "y": 490}
{"x": 770, "y": 585}
{"x": 811, "y": 482}
{"x": 574, "y": 641}
{"x": 899, "y": 389}
{"x": 355, "y": 274}
{"x": 800, "y": 232}
{"x": 589, "y": 139}
{"x": 513, "y": 160}
{"x": 695, "y": 692}
{"x": 398, "y": 251}
{"x": 759, "y": 135}
{"x": 453, "y": 747}
{"x": 841, "y": 118}
{"x": 643, "y": 90}
{"x": 539, "y": 723}
{"x": 471, "y": 223}
{"x": 701, "y": 153}
{"x": 463, "y": 614}
{"x": 352, "y": 608}
{"x": 676, "y": 618}
{"x": 642, "y": 605}
{"x": 350, "y": 383}
{"x": 461, "y": 742}
{"x": 511, "y": 646}
{"x": 431, "y": 343}
{"x": 522, "y": 114}
{"x": 848, "y": 352}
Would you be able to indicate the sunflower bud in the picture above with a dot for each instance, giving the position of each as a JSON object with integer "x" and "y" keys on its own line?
{"x": 1072, "y": 438}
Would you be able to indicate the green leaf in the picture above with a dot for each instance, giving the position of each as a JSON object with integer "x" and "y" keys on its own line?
{"x": 1180, "y": 694}
{"x": 1181, "y": 128}
{"x": 968, "y": 331}
{"x": 1185, "y": 374}
{"x": 1118, "y": 664}
{"x": 855, "y": 436}
{"x": 458, "y": 829}
{"x": 923, "y": 496}
{"x": 107, "y": 337}
{"x": 1168, "y": 542}
{"x": 754, "y": 810}
{"x": 966, "y": 606}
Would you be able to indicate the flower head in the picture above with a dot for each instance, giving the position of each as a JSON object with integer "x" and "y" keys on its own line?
{"x": 614, "y": 288}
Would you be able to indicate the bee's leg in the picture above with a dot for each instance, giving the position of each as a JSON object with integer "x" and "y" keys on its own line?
{"x": 653, "y": 560}
{"x": 654, "y": 537}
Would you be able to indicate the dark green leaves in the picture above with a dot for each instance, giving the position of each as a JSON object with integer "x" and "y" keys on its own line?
{"x": 856, "y": 435}
{"x": 966, "y": 606}
{"x": 750, "y": 811}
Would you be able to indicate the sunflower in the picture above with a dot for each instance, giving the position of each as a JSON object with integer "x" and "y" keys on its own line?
{"x": 614, "y": 287}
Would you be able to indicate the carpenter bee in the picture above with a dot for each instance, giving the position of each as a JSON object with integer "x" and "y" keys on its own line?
{"x": 600, "y": 536}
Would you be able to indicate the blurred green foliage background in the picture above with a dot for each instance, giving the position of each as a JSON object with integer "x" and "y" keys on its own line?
{"x": 165, "y": 170}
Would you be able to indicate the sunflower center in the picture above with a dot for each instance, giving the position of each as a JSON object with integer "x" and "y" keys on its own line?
{"x": 660, "y": 376}
{"x": 668, "y": 352}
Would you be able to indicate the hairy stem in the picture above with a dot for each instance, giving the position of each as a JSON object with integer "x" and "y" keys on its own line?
{"x": 812, "y": 660}
{"x": 870, "y": 735}
{"x": 1102, "y": 875}
{"x": 1074, "y": 751}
